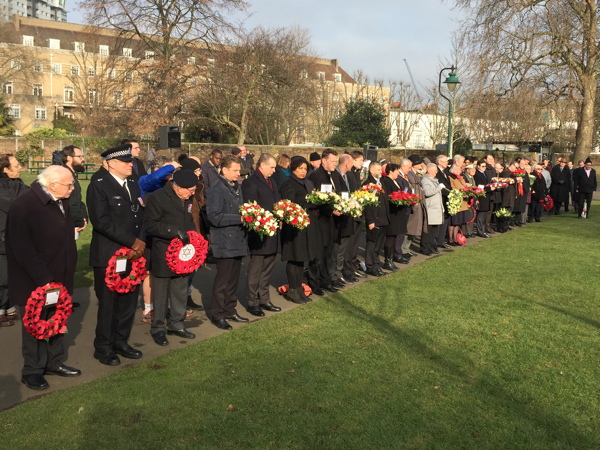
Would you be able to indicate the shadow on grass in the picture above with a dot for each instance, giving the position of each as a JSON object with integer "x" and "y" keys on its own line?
{"x": 583, "y": 319}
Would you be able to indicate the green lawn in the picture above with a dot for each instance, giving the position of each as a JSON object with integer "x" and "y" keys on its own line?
{"x": 493, "y": 346}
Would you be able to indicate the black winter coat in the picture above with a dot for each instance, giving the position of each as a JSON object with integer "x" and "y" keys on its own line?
{"x": 10, "y": 189}
{"x": 256, "y": 189}
{"x": 40, "y": 244}
{"x": 561, "y": 184}
{"x": 398, "y": 214}
{"x": 117, "y": 221}
{"x": 78, "y": 209}
{"x": 326, "y": 222}
{"x": 509, "y": 193}
{"x": 379, "y": 215}
{"x": 538, "y": 189}
{"x": 483, "y": 202}
{"x": 228, "y": 236}
{"x": 345, "y": 225}
{"x": 166, "y": 215}
{"x": 300, "y": 245}
{"x": 583, "y": 183}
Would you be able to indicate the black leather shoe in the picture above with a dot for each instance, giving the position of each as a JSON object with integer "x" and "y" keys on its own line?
{"x": 256, "y": 311}
{"x": 345, "y": 281}
{"x": 359, "y": 274}
{"x": 35, "y": 381}
{"x": 270, "y": 307}
{"x": 127, "y": 351}
{"x": 409, "y": 254}
{"x": 381, "y": 272}
{"x": 318, "y": 291}
{"x": 338, "y": 285}
{"x": 330, "y": 288}
{"x": 222, "y": 324}
{"x": 64, "y": 371}
{"x": 374, "y": 273}
{"x": 485, "y": 236}
{"x": 193, "y": 305}
{"x": 435, "y": 251}
{"x": 426, "y": 253}
{"x": 183, "y": 333}
{"x": 160, "y": 338}
{"x": 444, "y": 245}
{"x": 237, "y": 318}
{"x": 108, "y": 359}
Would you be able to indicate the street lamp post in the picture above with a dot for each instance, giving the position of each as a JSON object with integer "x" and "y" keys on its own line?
{"x": 452, "y": 83}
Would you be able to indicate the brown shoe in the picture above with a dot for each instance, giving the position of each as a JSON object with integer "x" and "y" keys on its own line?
{"x": 5, "y": 321}
{"x": 13, "y": 315}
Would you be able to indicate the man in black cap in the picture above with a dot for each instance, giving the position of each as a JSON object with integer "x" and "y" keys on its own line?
{"x": 117, "y": 217}
{"x": 315, "y": 162}
{"x": 584, "y": 180}
{"x": 168, "y": 217}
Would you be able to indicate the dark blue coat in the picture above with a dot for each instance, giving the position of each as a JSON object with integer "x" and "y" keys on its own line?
{"x": 227, "y": 234}
{"x": 256, "y": 189}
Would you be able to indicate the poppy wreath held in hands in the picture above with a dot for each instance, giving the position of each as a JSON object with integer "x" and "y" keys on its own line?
{"x": 183, "y": 259}
{"x": 45, "y": 329}
{"x": 138, "y": 273}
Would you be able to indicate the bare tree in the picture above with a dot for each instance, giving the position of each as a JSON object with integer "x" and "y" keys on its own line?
{"x": 552, "y": 44}
{"x": 406, "y": 112}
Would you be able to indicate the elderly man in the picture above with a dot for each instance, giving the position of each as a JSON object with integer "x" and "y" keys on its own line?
{"x": 434, "y": 206}
{"x": 561, "y": 186}
{"x": 41, "y": 250}
{"x": 260, "y": 188}
{"x": 416, "y": 219}
{"x": 442, "y": 177}
{"x": 117, "y": 217}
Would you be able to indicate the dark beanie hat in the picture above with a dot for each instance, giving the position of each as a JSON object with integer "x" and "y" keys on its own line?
{"x": 185, "y": 178}
{"x": 314, "y": 156}
{"x": 190, "y": 164}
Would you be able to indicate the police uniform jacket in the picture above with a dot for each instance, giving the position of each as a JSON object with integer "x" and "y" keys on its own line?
{"x": 117, "y": 220}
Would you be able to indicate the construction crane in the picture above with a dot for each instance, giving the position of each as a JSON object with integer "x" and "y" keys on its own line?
{"x": 413, "y": 83}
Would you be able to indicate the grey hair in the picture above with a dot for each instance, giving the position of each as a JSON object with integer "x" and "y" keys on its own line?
{"x": 52, "y": 174}
{"x": 454, "y": 167}
{"x": 405, "y": 162}
{"x": 343, "y": 158}
{"x": 263, "y": 158}
{"x": 430, "y": 165}
{"x": 458, "y": 158}
{"x": 440, "y": 157}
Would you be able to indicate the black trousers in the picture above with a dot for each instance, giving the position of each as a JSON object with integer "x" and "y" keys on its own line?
{"x": 258, "y": 279}
{"x": 585, "y": 197}
{"x": 39, "y": 354}
{"x": 294, "y": 271}
{"x": 225, "y": 285}
{"x": 428, "y": 237}
{"x": 480, "y": 222}
{"x": 373, "y": 248}
{"x": 442, "y": 230}
{"x": 115, "y": 314}
{"x": 352, "y": 251}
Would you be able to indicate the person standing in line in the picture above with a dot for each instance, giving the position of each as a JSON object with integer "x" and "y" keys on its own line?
{"x": 138, "y": 168}
{"x": 585, "y": 186}
{"x": 442, "y": 176}
{"x": 434, "y": 206}
{"x": 72, "y": 158}
{"x": 117, "y": 217}
{"x": 228, "y": 241}
{"x": 41, "y": 250}
{"x": 211, "y": 169}
{"x": 376, "y": 220}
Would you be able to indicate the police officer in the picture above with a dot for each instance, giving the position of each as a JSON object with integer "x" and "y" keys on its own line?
{"x": 117, "y": 216}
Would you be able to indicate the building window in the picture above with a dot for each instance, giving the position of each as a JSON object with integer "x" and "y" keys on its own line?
{"x": 28, "y": 41}
{"x": 38, "y": 66}
{"x": 128, "y": 75}
{"x": 91, "y": 71}
{"x": 38, "y": 89}
{"x": 79, "y": 46}
{"x": 336, "y": 95}
{"x": 7, "y": 87}
{"x": 118, "y": 96}
{"x": 54, "y": 44}
{"x": 75, "y": 71}
{"x": 320, "y": 111}
{"x": 57, "y": 68}
{"x": 103, "y": 50}
{"x": 210, "y": 62}
{"x": 299, "y": 131}
{"x": 127, "y": 52}
{"x": 321, "y": 76}
{"x": 303, "y": 74}
{"x": 139, "y": 97}
{"x": 148, "y": 55}
{"x": 191, "y": 60}
{"x": 336, "y": 113}
{"x": 14, "y": 111}
{"x": 69, "y": 115}
{"x": 69, "y": 94}
{"x": 15, "y": 64}
{"x": 40, "y": 112}
{"x": 111, "y": 73}
{"x": 337, "y": 77}
{"x": 93, "y": 96}
{"x": 301, "y": 112}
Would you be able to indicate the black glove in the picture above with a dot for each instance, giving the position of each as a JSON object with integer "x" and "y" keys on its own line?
{"x": 185, "y": 239}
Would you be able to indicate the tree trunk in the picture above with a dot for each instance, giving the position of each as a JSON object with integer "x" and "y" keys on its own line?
{"x": 585, "y": 126}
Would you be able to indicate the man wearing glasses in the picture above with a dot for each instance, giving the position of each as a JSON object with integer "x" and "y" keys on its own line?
{"x": 114, "y": 204}
{"x": 72, "y": 158}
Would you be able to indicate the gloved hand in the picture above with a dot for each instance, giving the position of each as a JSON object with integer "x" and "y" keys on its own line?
{"x": 185, "y": 239}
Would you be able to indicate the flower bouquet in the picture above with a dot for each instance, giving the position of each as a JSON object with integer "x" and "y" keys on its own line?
{"x": 502, "y": 212}
{"x": 503, "y": 180}
{"x": 291, "y": 213}
{"x": 497, "y": 185}
{"x": 258, "y": 220}
{"x": 472, "y": 191}
{"x": 455, "y": 199}
{"x": 520, "y": 173}
{"x": 349, "y": 206}
{"x": 401, "y": 198}
{"x": 322, "y": 198}
{"x": 372, "y": 187}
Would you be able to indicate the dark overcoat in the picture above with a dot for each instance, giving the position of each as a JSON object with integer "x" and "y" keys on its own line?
{"x": 116, "y": 219}
{"x": 139, "y": 169}
{"x": 508, "y": 193}
{"x": 416, "y": 221}
{"x": 228, "y": 237}
{"x": 538, "y": 189}
{"x": 561, "y": 184}
{"x": 10, "y": 189}
{"x": 496, "y": 195}
{"x": 165, "y": 215}
{"x": 483, "y": 202}
{"x": 379, "y": 215}
{"x": 326, "y": 223}
{"x": 40, "y": 244}
{"x": 398, "y": 214}
{"x": 345, "y": 225}
{"x": 582, "y": 182}
{"x": 521, "y": 200}
{"x": 256, "y": 188}
{"x": 210, "y": 174}
{"x": 306, "y": 244}
{"x": 78, "y": 209}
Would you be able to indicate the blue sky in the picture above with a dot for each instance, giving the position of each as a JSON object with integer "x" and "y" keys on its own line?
{"x": 372, "y": 36}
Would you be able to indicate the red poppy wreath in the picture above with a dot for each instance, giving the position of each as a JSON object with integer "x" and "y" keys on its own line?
{"x": 183, "y": 259}
{"x": 45, "y": 329}
{"x": 138, "y": 273}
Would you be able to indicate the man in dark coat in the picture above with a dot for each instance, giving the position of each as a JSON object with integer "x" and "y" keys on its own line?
{"x": 41, "y": 250}
{"x": 323, "y": 176}
{"x": 584, "y": 180}
{"x": 442, "y": 177}
{"x": 483, "y": 203}
{"x": 117, "y": 216}
{"x": 168, "y": 216}
{"x": 260, "y": 188}
{"x": 228, "y": 241}
{"x": 495, "y": 196}
{"x": 212, "y": 168}
{"x": 376, "y": 221}
{"x": 139, "y": 168}
{"x": 561, "y": 186}
{"x": 72, "y": 158}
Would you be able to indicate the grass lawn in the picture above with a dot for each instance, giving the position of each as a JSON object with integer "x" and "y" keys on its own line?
{"x": 493, "y": 346}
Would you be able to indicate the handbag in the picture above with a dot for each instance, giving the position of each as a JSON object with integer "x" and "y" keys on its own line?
{"x": 460, "y": 238}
